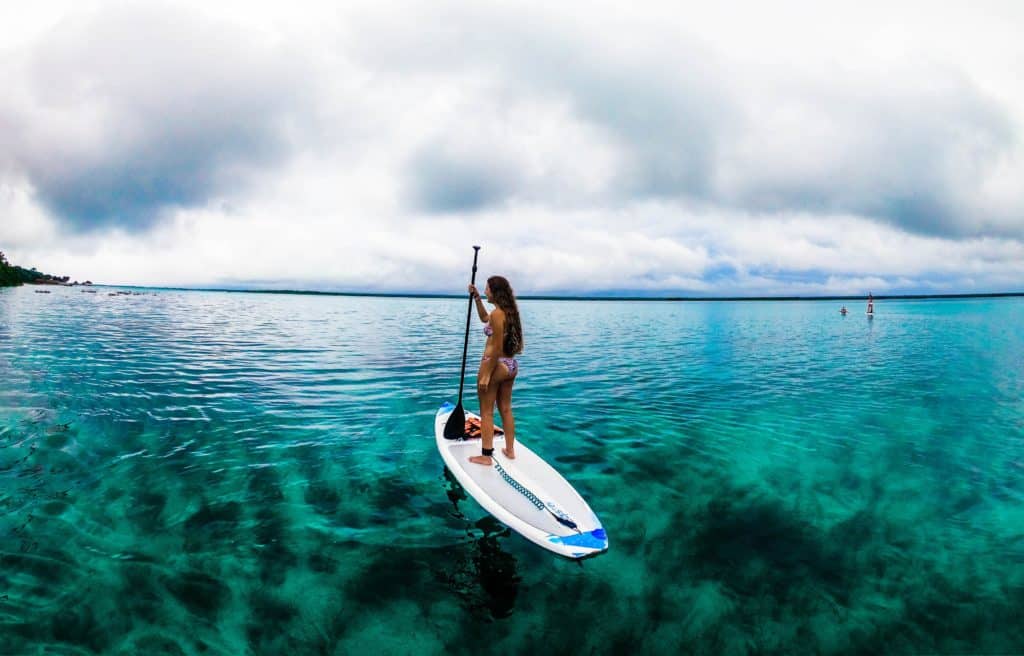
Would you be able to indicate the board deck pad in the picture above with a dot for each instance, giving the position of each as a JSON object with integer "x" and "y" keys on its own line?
{"x": 526, "y": 494}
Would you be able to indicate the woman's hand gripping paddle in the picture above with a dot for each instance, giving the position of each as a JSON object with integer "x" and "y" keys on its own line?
{"x": 456, "y": 424}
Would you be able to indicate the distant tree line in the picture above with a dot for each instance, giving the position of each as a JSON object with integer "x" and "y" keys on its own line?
{"x": 12, "y": 275}
{"x": 8, "y": 274}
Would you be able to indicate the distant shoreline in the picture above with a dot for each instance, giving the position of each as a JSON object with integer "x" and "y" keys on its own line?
{"x": 547, "y": 297}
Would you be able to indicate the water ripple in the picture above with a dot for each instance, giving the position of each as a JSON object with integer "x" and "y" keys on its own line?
{"x": 260, "y": 462}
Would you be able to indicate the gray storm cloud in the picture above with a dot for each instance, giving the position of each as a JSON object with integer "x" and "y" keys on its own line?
{"x": 916, "y": 155}
{"x": 445, "y": 181}
{"x": 129, "y": 111}
{"x": 113, "y": 118}
{"x": 917, "y": 146}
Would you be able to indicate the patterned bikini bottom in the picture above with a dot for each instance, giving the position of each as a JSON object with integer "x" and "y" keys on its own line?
{"x": 510, "y": 363}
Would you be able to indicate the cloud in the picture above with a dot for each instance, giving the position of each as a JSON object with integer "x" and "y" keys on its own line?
{"x": 916, "y": 154}
{"x": 365, "y": 146}
{"x": 654, "y": 248}
{"x": 443, "y": 181}
{"x": 131, "y": 110}
{"x": 913, "y": 143}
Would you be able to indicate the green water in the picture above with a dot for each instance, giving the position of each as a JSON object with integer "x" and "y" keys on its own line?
{"x": 217, "y": 473}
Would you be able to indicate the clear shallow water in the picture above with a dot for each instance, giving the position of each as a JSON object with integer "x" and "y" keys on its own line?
{"x": 213, "y": 473}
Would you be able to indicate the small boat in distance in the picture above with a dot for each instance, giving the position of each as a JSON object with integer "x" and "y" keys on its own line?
{"x": 843, "y": 311}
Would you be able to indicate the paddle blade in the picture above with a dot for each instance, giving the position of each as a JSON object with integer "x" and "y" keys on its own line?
{"x": 456, "y": 424}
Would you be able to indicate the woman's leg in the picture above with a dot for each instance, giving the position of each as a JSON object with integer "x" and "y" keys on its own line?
{"x": 487, "y": 399}
{"x": 508, "y": 422}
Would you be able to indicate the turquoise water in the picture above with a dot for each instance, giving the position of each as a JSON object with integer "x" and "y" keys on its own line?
{"x": 226, "y": 473}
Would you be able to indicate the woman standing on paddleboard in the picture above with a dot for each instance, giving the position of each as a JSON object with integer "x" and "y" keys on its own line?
{"x": 498, "y": 367}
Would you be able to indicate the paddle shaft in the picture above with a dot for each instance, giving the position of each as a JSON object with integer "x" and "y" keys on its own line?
{"x": 469, "y": 314}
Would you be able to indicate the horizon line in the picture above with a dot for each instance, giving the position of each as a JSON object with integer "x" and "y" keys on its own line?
{"x": 554, "y": 297}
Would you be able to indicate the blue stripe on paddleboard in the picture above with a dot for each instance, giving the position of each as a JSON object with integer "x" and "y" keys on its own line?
{"x": 596, "y": 539}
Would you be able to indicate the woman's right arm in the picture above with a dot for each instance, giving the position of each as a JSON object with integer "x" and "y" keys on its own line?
{"x": 480, "y": 309}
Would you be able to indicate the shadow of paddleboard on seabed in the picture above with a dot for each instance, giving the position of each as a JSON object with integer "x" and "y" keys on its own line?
{"x": 480, "y": 573}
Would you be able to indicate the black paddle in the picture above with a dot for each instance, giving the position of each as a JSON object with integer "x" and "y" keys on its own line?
{"x": 456, "y": 425}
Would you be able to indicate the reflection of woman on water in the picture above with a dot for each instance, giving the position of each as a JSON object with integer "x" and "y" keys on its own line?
{"x": 498, "y": 367}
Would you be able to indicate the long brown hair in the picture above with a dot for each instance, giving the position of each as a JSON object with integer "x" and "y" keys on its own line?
{"x": 505, "y": 298}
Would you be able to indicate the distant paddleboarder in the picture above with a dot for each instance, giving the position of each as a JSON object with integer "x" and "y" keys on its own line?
{"x": 498, "y": 366}
{"x": 871, "y": 305}
{"x": 843, "y": 310}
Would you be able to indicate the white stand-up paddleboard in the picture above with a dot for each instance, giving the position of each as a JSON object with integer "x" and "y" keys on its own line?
{"x": 525, "y": 494}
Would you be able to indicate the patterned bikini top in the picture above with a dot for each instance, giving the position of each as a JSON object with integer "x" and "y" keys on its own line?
{"x": 487, "y": 329}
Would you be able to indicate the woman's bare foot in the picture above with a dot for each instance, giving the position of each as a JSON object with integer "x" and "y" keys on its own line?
{"x": 509, "y": 453}
{"x": 481, "y": 460}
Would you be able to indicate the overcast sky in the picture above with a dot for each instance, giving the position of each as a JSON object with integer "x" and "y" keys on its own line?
{"x": 745, "y": 148}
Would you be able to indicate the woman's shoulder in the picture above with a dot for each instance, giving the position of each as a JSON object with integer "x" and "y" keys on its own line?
{"x": 497, "y": 313}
